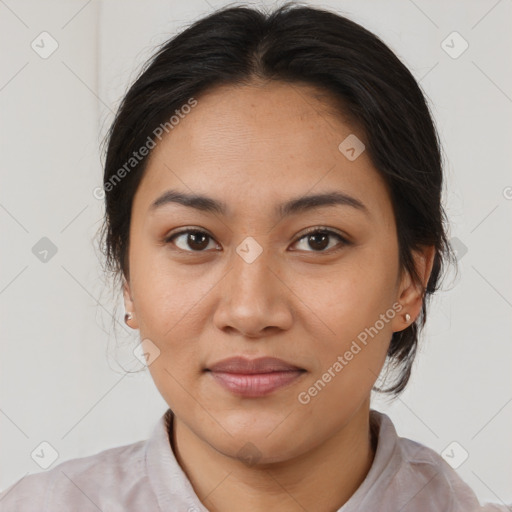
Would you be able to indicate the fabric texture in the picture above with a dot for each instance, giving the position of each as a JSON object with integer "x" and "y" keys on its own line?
{"x": 145, "y": 476}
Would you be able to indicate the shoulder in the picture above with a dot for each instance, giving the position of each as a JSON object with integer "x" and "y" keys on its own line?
{"x": 413, "y": 477}
{"x": 438, "y": 485}
{"x": 79, "y": 483}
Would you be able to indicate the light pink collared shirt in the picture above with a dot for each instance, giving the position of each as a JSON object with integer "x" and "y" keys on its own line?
{"x": 145, "y": 477}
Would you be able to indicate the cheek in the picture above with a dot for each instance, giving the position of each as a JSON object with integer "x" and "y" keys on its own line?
{"x": 166, "y": 294}
{"x": 353, "y": 295}
{"x": 355, "y": 306}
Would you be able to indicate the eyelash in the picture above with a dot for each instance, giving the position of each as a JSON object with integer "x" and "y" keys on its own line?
{"x": 311, "y": 231}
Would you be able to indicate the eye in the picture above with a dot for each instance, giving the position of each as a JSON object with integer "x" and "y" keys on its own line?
{"x": 319, "y": 239}
{"x": 191, "y": 240}
{"x": 196, "y": 240}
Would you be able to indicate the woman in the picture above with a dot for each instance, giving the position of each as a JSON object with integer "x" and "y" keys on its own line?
{"x": 273, "y": 215}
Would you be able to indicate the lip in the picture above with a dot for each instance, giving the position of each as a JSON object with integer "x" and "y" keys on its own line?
{"x": 254, "y": 377}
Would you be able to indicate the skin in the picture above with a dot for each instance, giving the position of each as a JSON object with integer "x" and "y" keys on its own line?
{"x": 254, "y": 147}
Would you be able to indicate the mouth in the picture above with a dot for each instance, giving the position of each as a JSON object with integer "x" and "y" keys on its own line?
{"x": 254, "y": 377}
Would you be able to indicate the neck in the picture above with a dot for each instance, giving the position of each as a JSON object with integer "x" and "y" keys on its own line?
{"x": 322, "y": 479}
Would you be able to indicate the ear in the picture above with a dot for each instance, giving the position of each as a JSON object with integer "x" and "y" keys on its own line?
{"x": 129, "y": 305}
{"x": 411, "y": 293}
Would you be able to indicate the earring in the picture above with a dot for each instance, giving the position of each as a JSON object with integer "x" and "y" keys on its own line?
{"x": 127, "y": 316}
{"x": 407, "y": 317}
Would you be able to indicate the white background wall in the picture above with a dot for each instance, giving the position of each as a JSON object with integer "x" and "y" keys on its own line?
{"x": 62, "y": 365}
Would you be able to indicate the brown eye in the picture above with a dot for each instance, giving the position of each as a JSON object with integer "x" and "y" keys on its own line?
{"x": 319, "y": 240}
{"x": 190, "y": 240}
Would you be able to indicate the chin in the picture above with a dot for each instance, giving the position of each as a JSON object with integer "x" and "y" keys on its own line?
{"x": 260, "y": 441}
{"x": 260, "y": 451}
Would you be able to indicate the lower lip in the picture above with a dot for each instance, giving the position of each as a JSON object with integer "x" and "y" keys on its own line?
{"x": 257, "y": 384}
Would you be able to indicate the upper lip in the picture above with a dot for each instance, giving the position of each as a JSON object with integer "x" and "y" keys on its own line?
{"x": 243, "y": 365}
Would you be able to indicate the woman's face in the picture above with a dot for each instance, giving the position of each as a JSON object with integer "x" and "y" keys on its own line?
{"x": 253, "y": 284}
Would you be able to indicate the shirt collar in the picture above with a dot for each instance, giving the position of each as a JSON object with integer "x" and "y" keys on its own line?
{"x": 173, "y": 490}
{"x": 386, "y": 463}
{"x": 171, "y": 486}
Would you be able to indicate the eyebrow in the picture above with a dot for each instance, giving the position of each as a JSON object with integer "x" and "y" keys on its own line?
{"x": 290, "y": 207}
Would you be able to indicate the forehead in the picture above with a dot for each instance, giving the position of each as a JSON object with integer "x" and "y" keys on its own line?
{"x": 268, "y": 141}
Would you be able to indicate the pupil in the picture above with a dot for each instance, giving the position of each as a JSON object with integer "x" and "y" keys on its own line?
{"x": 194, "y": 237}
{"x": 322, "y": 245}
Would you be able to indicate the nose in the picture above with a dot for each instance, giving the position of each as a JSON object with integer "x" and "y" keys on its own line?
{"x": 254, "y": 301}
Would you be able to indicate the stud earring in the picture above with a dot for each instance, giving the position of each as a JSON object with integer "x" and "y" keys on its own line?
{"x": 127, "y": 316}
{"x": 407, "y": 317}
